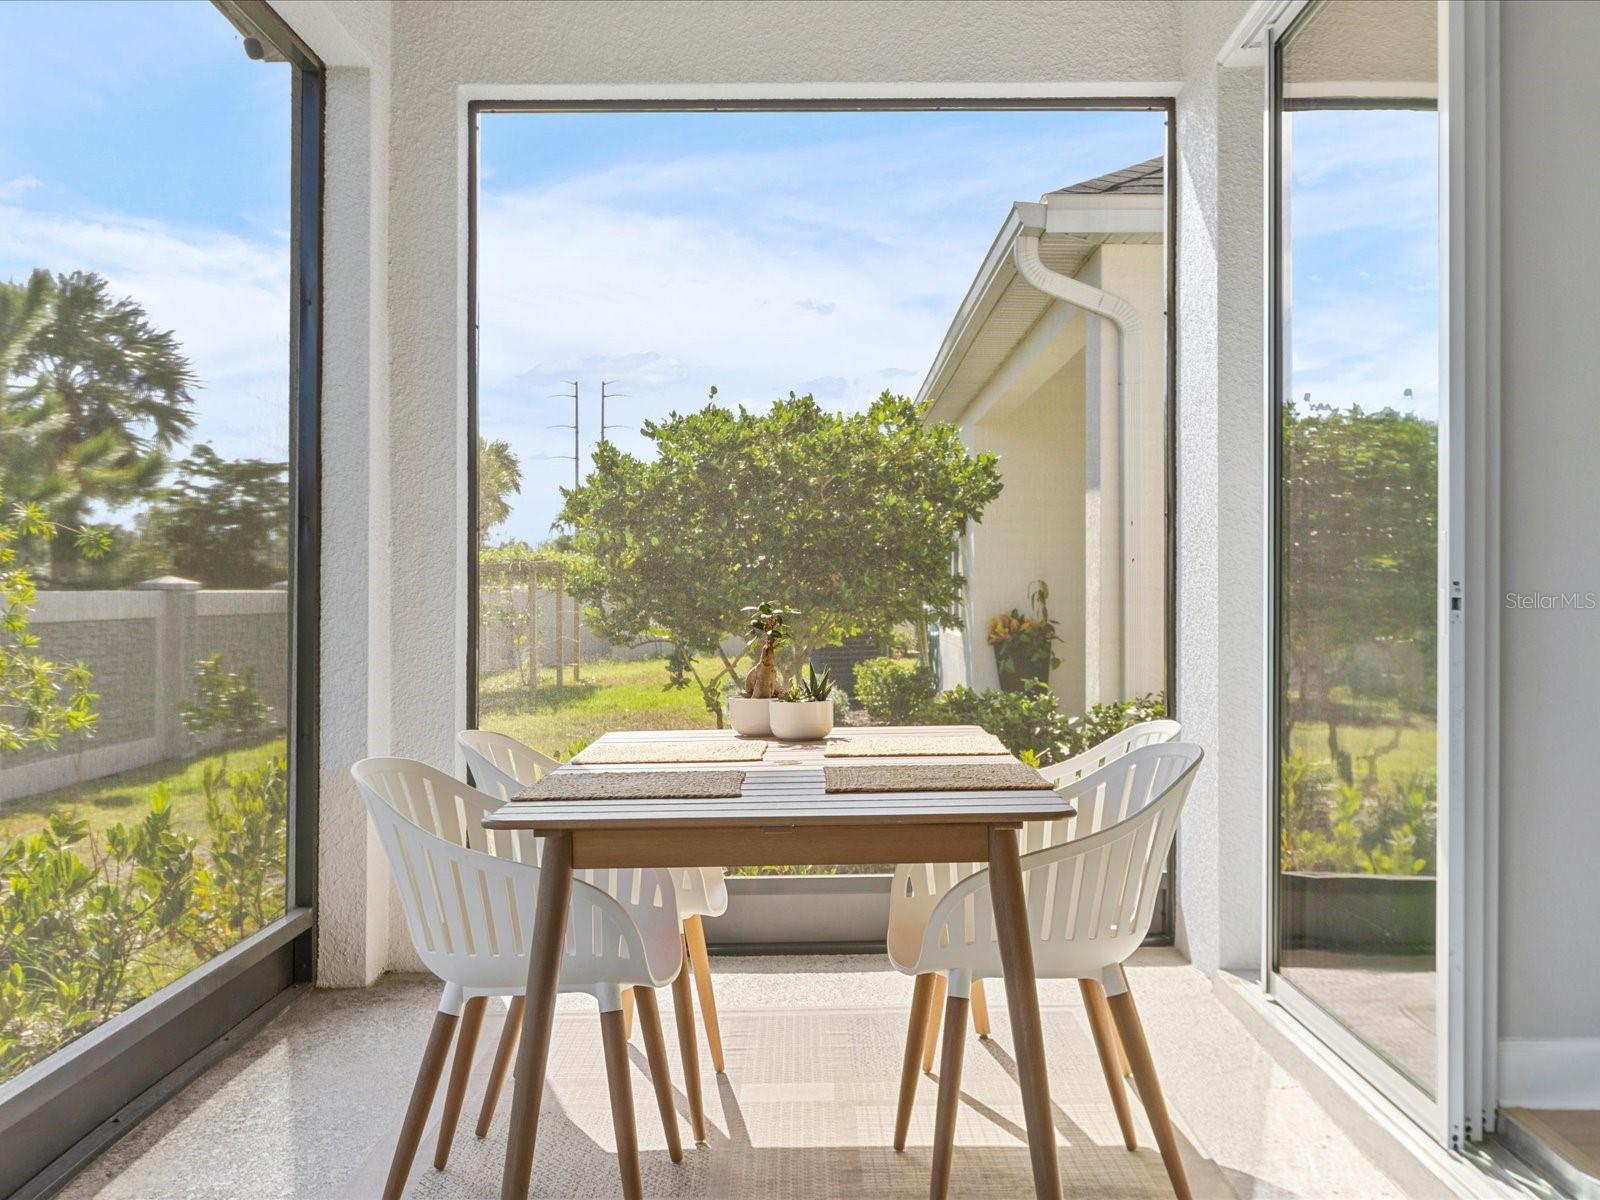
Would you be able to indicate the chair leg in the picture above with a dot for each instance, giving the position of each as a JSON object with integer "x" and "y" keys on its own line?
{"x": 1094, "y": 1003}
{"x": 980, "y": 1009}
{"x": 505, "y": 1054}
{"x": 655, "y": 1050}
{"x": 627, "y": 1013}
{"x": 438, "y": 1049}
{"x": 930, "y": 1039}
{"x": 916, "y": 1029}
{"x": 944, "y": 1121}
{"x": 688, "y": 1051}
{"x": 1144, "y": 1075}
{"x": 695, "y": 932}
{"x": 621, "y": 1085}
{"x": 460, "y": 1072}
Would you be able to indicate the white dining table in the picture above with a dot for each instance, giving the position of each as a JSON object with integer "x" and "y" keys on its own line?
{"x": 783, "y": 816}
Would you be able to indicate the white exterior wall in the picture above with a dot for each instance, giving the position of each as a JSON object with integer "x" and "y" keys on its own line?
{"x": 1084, "y": 492}
{"x": 1034, "y": 529}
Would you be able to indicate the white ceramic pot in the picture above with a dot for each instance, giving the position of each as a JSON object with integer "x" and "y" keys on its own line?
{"x": 749, "y": 717}
{"x": 802, "y": 721}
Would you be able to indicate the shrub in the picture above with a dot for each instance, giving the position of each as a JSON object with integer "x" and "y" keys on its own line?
{"x": 227, "y": 701}
{"x": 1030, "y": 722}
{"x": 893, "y": 690}
{"x": 1329, "y": 826}
{"x": 1104, "y": 720}
{"x": 90, "y": 924}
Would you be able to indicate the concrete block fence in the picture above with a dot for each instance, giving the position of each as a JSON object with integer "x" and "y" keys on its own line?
{"x": 142, "y": 646}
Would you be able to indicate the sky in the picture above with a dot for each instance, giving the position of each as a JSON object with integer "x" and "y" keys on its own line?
{"x": 1363, "y": 220}
{"x": 138, "y": 141}
{"x": 753, "y": 252}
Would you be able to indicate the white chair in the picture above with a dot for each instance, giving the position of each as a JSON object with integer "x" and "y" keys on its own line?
{"x": 917, "y": 887}
{"x": 503, "y": 766}
{"x": 472, "y": 914}
{"x": 1090, "y": 901}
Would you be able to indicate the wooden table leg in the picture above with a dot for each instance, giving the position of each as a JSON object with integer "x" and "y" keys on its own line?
{"x": 1022, "y": 999}
{"x": 539, "y": 1012}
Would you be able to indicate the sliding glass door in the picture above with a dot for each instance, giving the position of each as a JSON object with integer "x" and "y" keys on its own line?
{"x": 1356, "y": 936}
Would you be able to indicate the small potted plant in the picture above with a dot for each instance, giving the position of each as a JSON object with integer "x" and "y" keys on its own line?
{"x": 805, "y": 712}
{"x": 1024, "y": 647}
{"x": 747, "y": 712}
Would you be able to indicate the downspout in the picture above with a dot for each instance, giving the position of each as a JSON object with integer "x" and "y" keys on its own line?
{"x": 1123, "y": 315}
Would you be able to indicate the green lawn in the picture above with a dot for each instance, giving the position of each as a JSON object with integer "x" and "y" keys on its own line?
{"x": 1415, "y": 755}
{"x": 613, "y": 695}
{"x": 123, "y": 799}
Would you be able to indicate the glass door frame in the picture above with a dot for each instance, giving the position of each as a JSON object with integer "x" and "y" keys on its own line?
{"x": 1440, "y": 1114}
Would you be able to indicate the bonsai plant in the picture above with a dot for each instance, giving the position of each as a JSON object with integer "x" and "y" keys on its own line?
{"x": 805, "y": 711}
{"x": 1024, "y": 647}
{"x": 748, "y": 711}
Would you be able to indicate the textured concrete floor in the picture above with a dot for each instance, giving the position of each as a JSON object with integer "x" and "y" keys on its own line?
{"x": 309, "y": 1108}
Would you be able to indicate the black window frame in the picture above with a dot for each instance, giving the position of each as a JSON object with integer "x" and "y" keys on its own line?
{"x": 1163, "y": 928}
{"x": 60, "y": 1113}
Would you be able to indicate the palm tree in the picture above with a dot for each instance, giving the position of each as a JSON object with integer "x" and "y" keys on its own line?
{"x": 499, "y": 478}
{"x": 92, "y": 396}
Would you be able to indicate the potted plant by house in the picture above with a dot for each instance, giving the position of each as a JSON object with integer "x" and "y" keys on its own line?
{"x": 805, "y": 712}
{"x": 747, "y": 712}
{"x": 1024, "y": 646}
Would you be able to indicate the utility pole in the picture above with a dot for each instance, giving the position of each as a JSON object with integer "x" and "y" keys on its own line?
{"x": 604, "y": 396}
{"x": 577, "y": 462}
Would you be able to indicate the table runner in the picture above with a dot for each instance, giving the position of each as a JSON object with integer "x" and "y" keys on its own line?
{"x": 636, "y": 785}
{"x": 934, "y": 777}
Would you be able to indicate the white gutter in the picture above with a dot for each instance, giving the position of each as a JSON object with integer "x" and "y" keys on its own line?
{"x": 1025, "y": 253}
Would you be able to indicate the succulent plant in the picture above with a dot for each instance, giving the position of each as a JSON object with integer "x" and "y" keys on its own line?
{"x": 813, "y": 687}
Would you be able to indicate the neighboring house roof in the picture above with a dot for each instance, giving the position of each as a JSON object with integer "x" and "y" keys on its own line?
{"x": 1000, "y": 307}
{"x": 1142, "y": 179}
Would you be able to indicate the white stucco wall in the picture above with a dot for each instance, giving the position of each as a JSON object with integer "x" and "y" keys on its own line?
{"x": 1550, "y": 542}
{"x": 1221, "y": 498}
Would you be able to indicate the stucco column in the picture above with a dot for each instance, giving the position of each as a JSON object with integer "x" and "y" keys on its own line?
{"x": 1221, "y": 505}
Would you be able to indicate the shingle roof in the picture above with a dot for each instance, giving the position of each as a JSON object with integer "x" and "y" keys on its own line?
{"x": 1142, "y": 179}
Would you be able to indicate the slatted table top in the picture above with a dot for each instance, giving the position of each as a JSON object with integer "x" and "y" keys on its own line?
{"x": 786, "y": 788}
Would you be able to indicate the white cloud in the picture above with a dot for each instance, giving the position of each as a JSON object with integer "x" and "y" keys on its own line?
{"x": 832, "y": 267}
{"x": 226, "y": 299}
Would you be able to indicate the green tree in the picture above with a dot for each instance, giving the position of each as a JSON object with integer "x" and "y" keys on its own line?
{"x": 92, "y": 398}
{"x": 851, "y": 519}
{"x": 499, "y": 478}
{"x": 224, "y": 523}
{"x": 1360, "y": 542}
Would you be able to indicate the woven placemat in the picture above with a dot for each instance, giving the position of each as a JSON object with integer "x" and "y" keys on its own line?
{"x": 911, "y": 745}
{"x": 934, "y": 777}
{"x": 636, "y": 785}
{"x": 617, "y": 753}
